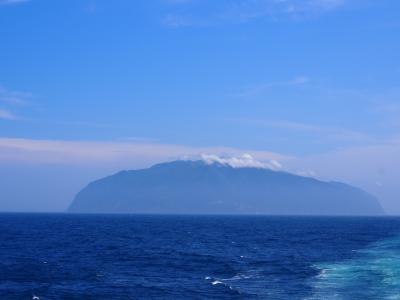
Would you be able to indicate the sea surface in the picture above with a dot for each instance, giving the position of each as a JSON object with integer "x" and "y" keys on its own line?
{"x": 61, "y": 256}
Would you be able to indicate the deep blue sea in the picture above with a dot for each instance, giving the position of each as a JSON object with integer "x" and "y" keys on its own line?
{"x": 61, "y": 256}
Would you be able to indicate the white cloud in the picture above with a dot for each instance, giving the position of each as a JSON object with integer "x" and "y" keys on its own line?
{"x": 244, "y": 161}
{"x": 7, "y": 115}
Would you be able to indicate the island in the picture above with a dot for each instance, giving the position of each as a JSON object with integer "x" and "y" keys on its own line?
{"x": 198, "y": 187}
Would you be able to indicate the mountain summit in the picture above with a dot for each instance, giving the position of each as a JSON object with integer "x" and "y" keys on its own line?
{"x": 198, "y": 187}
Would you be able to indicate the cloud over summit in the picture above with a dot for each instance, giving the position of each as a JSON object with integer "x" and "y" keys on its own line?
{"x": 244, "y": 161}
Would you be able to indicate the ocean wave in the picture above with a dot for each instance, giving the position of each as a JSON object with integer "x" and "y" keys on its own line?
{"x": 373, "y": 273}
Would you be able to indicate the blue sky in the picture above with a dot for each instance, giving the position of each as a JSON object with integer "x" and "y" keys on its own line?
{"x": 95, "y": 86}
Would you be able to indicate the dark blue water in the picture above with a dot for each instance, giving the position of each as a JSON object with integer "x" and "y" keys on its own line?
{"x": 57, "y": 256}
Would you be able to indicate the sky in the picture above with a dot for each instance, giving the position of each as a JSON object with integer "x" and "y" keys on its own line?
{"x": 90, "y": 87}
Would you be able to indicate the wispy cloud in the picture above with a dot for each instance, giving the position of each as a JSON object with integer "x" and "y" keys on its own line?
{"x": 239, "y": 11}
{"x": 177, "y": 2}
{"x": 137, "y": 139}
{"x": 389, "y": 107}
{"x": 113, "y": 152}
{"x": 290, "y": 125}
{"x": 14, "y": 97}
{"x": 364, "y": 166}
{"x": 310, "y": 6}
{"x": 248, "y": 10}
{"x": 7, "y": 115}
{"x": 258, "y": 89}
{"x": 11, "y": 100}
{"x": 11, "y": 2}
{"x": 386, "y": 105}
{"x": 176, "y": 21}
{"x": 374, "y": 167}
{"x": 326, "y": 132}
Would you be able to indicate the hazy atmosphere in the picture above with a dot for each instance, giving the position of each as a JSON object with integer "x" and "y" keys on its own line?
{"x": 89, "y": 88}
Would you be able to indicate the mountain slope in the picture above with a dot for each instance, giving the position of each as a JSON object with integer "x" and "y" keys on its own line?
{"x": 196, "y": 187}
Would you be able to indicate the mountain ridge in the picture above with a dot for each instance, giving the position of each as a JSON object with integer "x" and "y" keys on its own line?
{"x": 198, "y": 187}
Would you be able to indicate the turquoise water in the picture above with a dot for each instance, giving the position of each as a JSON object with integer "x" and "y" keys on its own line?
{"x": 372, "y": 273}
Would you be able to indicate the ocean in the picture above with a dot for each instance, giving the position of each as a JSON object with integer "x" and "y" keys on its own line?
{"x": 67, "y": 256}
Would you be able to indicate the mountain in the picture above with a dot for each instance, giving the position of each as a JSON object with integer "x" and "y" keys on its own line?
{"x": 197, "y": 187}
